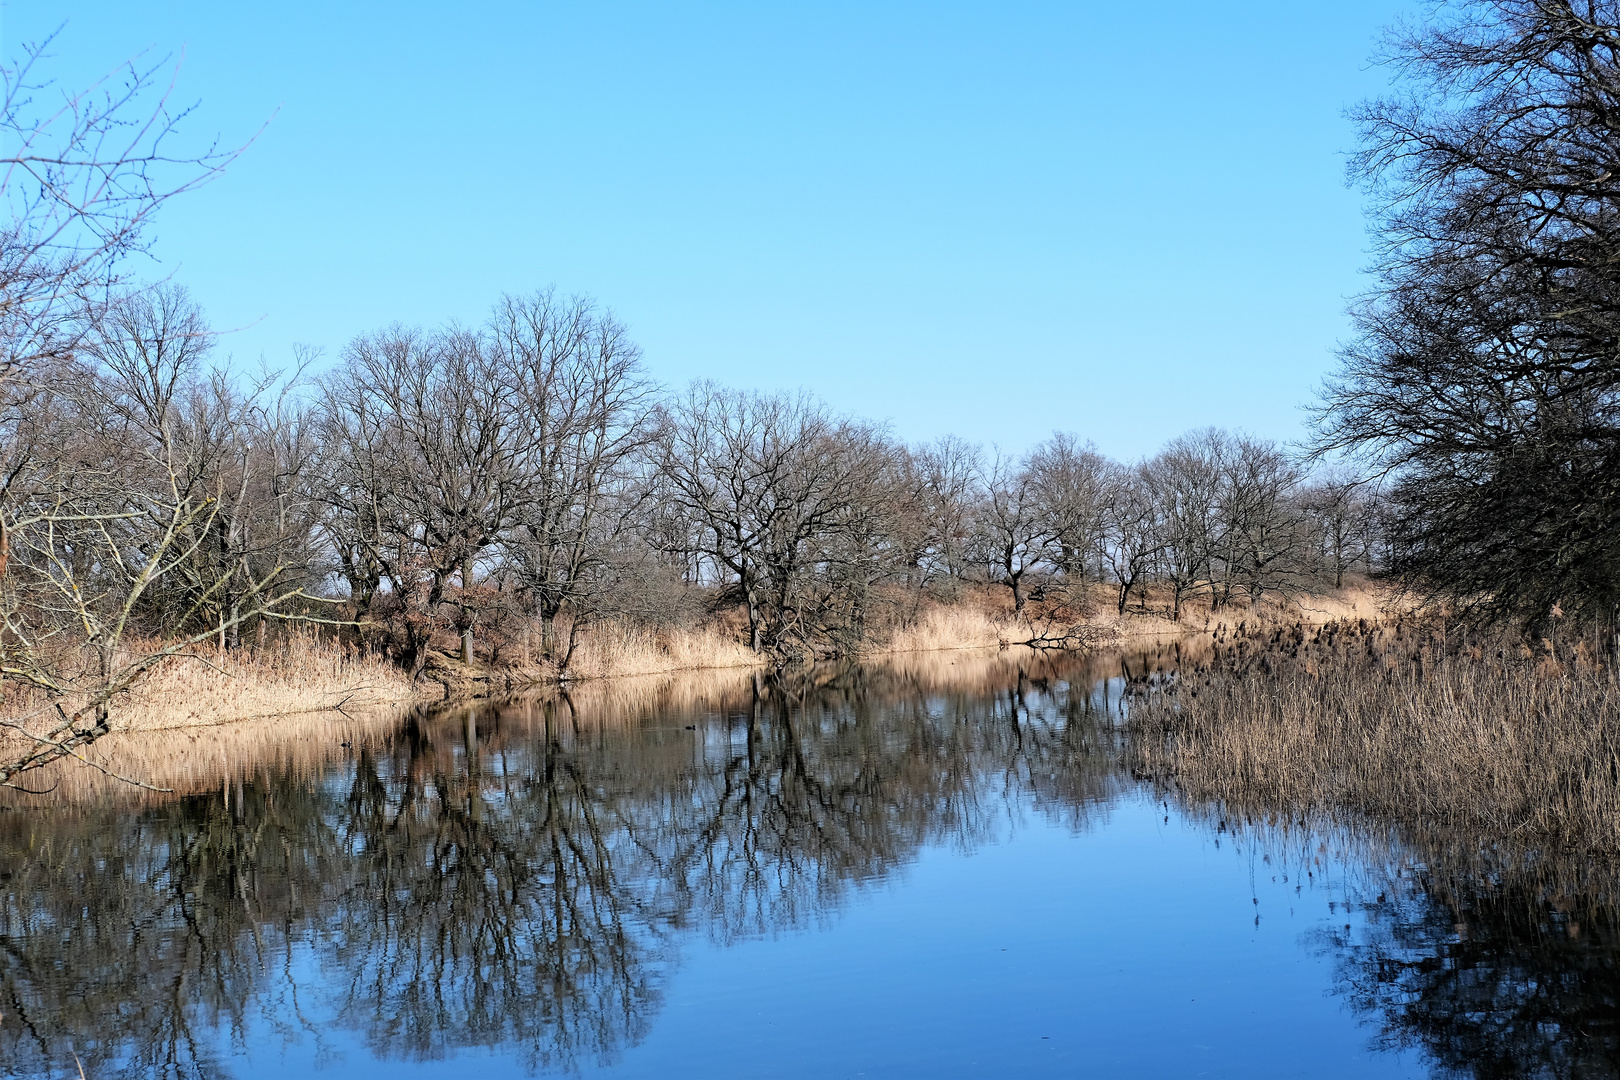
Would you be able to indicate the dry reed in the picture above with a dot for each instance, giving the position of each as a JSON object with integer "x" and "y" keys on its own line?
{"x": 619, "y": 648}
{"x": 302, "y": 674}
{"x": 960, "y": 626}
{"x": 1397, "y": 725}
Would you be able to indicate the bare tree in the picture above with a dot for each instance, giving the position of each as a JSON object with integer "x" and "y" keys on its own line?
{"x": 81, "y": 177}
{"x": 1484, "y": 377}
{"x": 581, "y": 403}
{"x": 1341, "y": 508}
{"x": 1264, "y": 539}
{"x": 89, "y": 526}
{"x": 1070, "y": 477}
{"x": 1184, "y": 482}
{"x": 1013, "y": 531}
{"x": 951, "y": 474}
{"x": 1132, "y": 538}
{"x": 109, "y": 572}
{"x": 773, "y": 488}
{"x": 427, "y": 463}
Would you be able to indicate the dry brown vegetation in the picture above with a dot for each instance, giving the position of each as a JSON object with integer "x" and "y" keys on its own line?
{"x": 198, "y": 758}
{"x": 980, "y": 617}
{"x": 1402, "y": 724}
{"x": 302, "y": 696}
{"x": 304, "y": 687}
{"x": 304, "y": 675}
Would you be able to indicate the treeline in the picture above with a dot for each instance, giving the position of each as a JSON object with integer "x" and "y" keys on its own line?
{"x": 480, "y": 481}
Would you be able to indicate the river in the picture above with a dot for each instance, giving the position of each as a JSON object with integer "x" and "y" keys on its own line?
{"x": 937, "y": 869}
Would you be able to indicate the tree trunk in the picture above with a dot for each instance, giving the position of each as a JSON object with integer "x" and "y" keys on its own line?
{"x": 754, "y": 637}
{"x": 466, "y": 613}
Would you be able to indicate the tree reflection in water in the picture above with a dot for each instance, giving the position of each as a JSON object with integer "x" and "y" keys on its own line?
{"x": 1496, "y": 975}
{"x": 521, "y": 878}
{"x": 495, "y": 877}
{"x": 1493, "y": 961}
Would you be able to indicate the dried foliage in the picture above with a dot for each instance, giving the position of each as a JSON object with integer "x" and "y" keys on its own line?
{"x": 1404, "y": 724}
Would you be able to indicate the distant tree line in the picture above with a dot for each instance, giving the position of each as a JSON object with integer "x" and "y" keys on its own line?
{"x": 526, "y": 472}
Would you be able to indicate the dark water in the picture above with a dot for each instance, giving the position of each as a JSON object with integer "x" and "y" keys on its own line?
{"x": 870, "y": 874}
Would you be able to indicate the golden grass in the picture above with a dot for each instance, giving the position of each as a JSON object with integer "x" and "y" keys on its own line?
{"x": 618, "y": 648}
{"x": 303, "y": 674}
{"x": 307, "y": 690}
{"x": 956, "y": 626}
{"x": 192, "y": 712}
{"x": 1359, "y": 599}
{"x": 1396, "y": 725}
{"x": 188, "y": 760}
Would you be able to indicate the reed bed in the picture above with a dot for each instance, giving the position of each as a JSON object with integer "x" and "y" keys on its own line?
{"x": 958, "y": 626}
{"x": 619, "y": 648}
{"x": 1399, "y": 725}
{"x": 190, "y": 760}
{"x": 300, "y": 675}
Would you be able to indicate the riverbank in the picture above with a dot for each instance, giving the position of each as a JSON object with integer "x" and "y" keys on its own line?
{"x": 305, "y": 686}
{"x": 980, "y": 617}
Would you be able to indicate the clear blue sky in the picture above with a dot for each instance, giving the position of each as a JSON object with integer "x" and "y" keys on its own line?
{"x": 993, "y": 219}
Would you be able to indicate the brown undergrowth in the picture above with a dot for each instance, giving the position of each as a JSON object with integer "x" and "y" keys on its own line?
{"x": 191, "y": 760}
{"x": 307, "y": 690}
{"x": 1403, "y": 725}
{"x": 978, "y": 617}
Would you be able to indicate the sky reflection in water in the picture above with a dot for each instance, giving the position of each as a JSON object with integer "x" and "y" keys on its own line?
{"x": 893, "y": 873}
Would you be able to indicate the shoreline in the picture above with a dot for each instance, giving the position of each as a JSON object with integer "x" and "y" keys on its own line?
{"x": 279, "y": 686}
{"x": 306, "y": 697}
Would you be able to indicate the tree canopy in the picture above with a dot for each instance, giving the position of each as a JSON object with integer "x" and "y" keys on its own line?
{"x": 1483, "y": 378}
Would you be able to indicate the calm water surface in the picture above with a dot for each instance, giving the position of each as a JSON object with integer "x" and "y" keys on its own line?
{"x": 875, "y": 873}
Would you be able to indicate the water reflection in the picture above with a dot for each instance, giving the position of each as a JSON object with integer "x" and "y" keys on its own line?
{"x": 1493, "y": 984}
{"x": 523, "y": 877}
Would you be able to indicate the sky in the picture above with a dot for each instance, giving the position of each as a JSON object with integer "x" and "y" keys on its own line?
{"x": 989, "y": 219}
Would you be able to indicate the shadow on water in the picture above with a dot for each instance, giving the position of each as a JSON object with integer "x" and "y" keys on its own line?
{"x": 522, "y": 876}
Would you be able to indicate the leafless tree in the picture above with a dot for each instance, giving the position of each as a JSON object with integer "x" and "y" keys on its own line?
{"x": 950, "y": 472}
{"x": 427, "y": 472}
{"x": 81, "y": 177}
{"x": 1483, "y": 380}
{"x": 581, "y": 403}
{"x": 90, "y": 526}
{"x": 1184, "y": 482}
{"x": 773, "y": 488}
{"x": 1013, "y": 531}
{"x": 1342, "y": 509}
{"x": 1132, "y": 537}
{"x": 1069, "y": 478}
{"x": 110, "y": 570}
{"x": 1264, "y": 540}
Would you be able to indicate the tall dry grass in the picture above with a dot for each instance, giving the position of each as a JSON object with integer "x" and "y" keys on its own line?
{"x": 1397, "y": 725}
{"x": 621, "y": 648}
{"x": 303, "y": 674}
{"x": 196, "y": 719}
{"x": 189, "y": 760}
{"x": 957, "y": 626}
